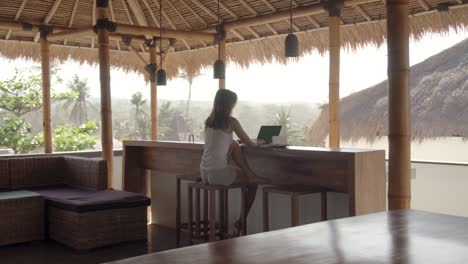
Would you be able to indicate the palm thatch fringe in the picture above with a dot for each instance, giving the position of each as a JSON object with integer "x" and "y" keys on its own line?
{"x": 439, "y": 92}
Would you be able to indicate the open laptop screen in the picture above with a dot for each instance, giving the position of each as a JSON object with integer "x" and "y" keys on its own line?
{"x": 267, "y": 133}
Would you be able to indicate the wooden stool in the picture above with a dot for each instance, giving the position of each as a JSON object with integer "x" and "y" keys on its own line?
{"x": 179, "y": 225}
{"x": 294, "y": 191}
{"x": 223, "y": 212}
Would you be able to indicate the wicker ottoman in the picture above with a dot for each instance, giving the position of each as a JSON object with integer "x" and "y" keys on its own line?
{"x": 84, "y": 231}
{"x": 85, "y": 219}
{"x": 21, "y": 217}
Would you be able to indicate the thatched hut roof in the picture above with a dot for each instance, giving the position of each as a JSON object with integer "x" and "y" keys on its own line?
{"x": 363, "y": 23}
{"x": 439, "y": 102}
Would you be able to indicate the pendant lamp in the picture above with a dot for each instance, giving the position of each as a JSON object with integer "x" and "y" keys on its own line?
{"x": 219, "y": 67}
{"x": 161, "y": 74}
{"x": 291, "y": 43}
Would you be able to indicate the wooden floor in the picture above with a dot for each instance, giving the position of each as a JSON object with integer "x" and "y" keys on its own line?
{"x": 50, "y": 252}
{"x": 396, "y": 237}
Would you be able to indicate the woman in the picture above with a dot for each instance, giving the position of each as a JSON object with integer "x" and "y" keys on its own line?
{"x": 220, "y": 148}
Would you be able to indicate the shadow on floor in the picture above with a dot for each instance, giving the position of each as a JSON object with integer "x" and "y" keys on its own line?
{"x": 50, "y": 252}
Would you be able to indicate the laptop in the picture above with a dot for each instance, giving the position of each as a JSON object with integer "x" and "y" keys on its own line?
{"x": 267, "y": 133}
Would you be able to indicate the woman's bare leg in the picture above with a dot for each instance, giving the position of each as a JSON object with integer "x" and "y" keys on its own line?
{"x": 246, "y": 175}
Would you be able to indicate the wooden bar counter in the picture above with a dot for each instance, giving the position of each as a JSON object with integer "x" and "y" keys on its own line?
{"x": 357, "y": 172}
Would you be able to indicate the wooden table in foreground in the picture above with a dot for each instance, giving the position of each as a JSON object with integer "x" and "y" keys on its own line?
{"x": 358, "y": 172}
{"x": 404, "y": 236}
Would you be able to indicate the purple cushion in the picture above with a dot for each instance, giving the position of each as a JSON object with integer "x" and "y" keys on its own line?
{"x": 86, "y": 200}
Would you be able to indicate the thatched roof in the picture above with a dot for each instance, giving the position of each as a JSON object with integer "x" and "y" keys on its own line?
{"x": 439, "y": 102}
{"x": 363, "y": 23}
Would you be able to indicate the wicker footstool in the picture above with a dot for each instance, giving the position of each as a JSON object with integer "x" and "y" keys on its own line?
{"x": 21, "y": 217}
{"x": 85, "y": 219}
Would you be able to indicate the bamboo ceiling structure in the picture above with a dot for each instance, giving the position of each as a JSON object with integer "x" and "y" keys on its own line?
{"x": 255, "y": 28}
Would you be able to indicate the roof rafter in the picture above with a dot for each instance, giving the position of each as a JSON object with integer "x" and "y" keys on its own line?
{"x": 169, "y": 20}
{"x": 424, "y": 5}
{"x": 362, "y": 13}
{"x": 48, "y": 17}
{"x": 148, "y": 7}
{"x": 193, "y": 12}
{"x": 17, "y": 16}
{"x": 72, "y": 17}
{"x": 314, "y": 21}
{"x": 111, "y": 9}
{"x": 179, "y": 14}
{"x": 273, "y": 9}
{"x": 127, "y": 12}
{"x": 93, "y": 9}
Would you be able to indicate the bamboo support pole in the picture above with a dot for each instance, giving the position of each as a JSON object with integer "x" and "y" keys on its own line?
{"x": 154, "y": 97}
{"x": 45, "y": 66}
{"x": 168, "y": 33}
{"x": 222, "y": 56}
{"x": 334, "y": 81}
{"x": 399, "y": 123}
{"x": 104, "y": 74}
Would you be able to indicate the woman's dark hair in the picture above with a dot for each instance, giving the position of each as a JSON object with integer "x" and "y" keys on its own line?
{"x": 224, "y": 102}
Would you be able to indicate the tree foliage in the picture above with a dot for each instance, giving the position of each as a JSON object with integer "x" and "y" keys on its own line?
{"x": 15, "y": 133}
{"x": 71, "y": 138}
{"x": 22, "y": 93}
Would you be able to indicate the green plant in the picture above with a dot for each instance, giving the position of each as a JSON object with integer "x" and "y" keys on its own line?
{"x": 16, "y": 134}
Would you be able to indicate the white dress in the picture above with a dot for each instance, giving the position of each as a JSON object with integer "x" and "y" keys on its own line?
{"x": 214, "y": 167}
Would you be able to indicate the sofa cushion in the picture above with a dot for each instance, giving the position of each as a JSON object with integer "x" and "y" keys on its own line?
{"x": 4, "y": 174}
{"x": 86, "y": 200}
{"x": 36, "y": 171}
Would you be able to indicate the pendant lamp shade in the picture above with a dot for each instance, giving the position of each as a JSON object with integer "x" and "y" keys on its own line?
{"x": 161, "y": 77}
{"x": 291, "y": 45}
{"x": 219, "y": 69}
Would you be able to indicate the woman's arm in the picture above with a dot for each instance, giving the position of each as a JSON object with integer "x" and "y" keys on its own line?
{"x": 240, "y": 132}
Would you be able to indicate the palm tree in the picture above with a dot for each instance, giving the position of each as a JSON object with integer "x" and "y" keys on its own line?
{"x": 189, "y": 73}
{"x": 283, "y": 118}
{"x": 141, "y": 122}
{"x": 80, "y": 102}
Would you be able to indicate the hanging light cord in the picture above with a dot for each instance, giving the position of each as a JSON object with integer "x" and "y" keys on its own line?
{"x": 160, "y": 33}
{"x": 291, "y": 17}
{"x": 219, "y": 38}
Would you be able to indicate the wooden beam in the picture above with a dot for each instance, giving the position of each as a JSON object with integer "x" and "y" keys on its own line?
{"x": 206, "y": 9}
{"x": 93, "y": 16}
{"x": 135, "y": 52}
{"x": 138, "y": 12}
{"x": 193, "y": 12}
{"x": 273, "y": 9}
{"x": 169, "y": 20}
{"x": 49, "y": 16}
{"x": 150, "y": 10}
{"x": 154, "y": 97}
{"x": 424, "y": 5}
{"x": 251, "y": 30}
{"x": 72, "y": 34}
{"x": 17, "y": 16}
{"x": 362, "y": 13}
{"x": 46, "y": 115}
{"x": 251, "y": 9}
{"x": 168, "y": 33}
{"x": 399, "y": 117}
{"x": 179, "y": 14}
{"x": 106, "y": 108}
{"x": 222, "y": 56}
{"x": 239, "y": 35}
{"x": 334, "y": 81}
{"x": 301, "y": 11}
{"x": 127, "y": 12}
{"x": 314, "y": 21}
{"x": 72, "y": 16}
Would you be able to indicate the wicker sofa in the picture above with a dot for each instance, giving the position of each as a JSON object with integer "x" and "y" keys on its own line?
{"x": 80, "y": 211}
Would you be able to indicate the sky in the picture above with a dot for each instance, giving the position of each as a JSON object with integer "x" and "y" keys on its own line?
{"x": 305, "y": 80}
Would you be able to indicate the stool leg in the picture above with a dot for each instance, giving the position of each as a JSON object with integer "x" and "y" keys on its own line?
{"x": 226, "y": 213}
{"x": 197, "y": 213}
{"x": 205, "y": 212}
{"x": 294, "y": 210}
{"x": 266, "y": 220}
{"x": 178, "y": 213}
{"x": 212, "y": 231}
{"x": 221, "y": 213}
{"x": 190, "y": 214}
{"x": 324, "y": 206}
{"x": 243, "y": 215}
